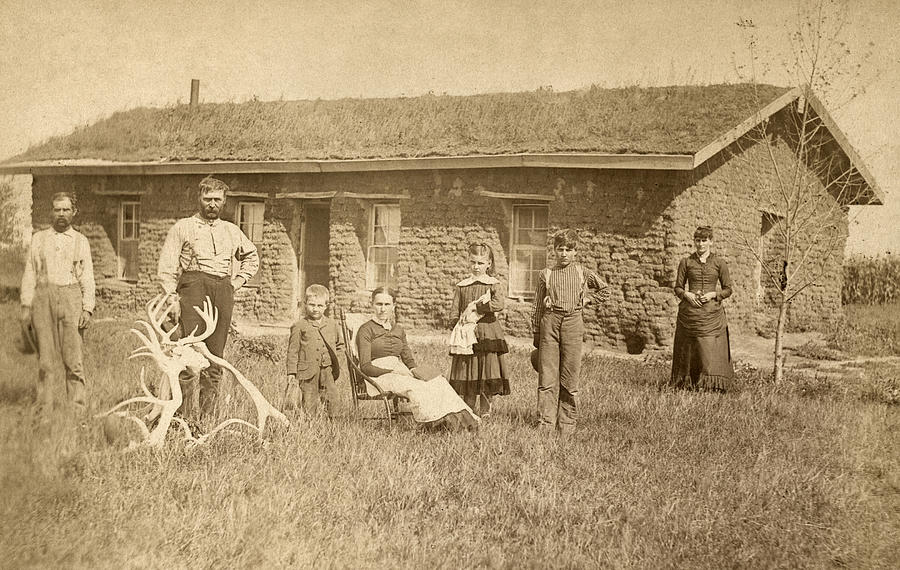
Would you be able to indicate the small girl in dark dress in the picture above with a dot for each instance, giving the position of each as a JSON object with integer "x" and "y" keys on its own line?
{"x": 481, "y": 374}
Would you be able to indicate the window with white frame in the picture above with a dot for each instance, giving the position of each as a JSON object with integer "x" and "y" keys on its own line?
{"x": 249, "y": 218}
{"x": 528, "y": 248}
{"x": 129, "y": 239}
{"x": 384, "y": 242}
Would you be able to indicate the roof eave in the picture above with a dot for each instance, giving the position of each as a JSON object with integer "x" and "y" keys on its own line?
{"x": 521, "y": 160}
{"x": 877, "y": 195}
{"x": 745, "y": 126}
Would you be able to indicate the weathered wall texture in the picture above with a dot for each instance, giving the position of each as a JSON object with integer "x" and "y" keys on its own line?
{"x": 729, "y": 191}
{"x": 634, "y": 228}
{"x": 163, "y": 200}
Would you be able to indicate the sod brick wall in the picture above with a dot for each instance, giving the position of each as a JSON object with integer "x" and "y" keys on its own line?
{"x": 634, "y": 226}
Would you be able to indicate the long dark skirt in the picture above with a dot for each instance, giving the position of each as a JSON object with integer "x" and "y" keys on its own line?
{"x": 479, "y": 373}
{"x": 701, "y": 362}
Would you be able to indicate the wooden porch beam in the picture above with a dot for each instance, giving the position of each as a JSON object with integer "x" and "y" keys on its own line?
{"x": 306, "y": 195}
{"x": 514, "y": 196}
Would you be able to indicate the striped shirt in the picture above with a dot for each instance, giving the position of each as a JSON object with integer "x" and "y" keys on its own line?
{"x": 565, "y": 293}
{"x": 61, "y": 259}
{"x": 195, "y": 244}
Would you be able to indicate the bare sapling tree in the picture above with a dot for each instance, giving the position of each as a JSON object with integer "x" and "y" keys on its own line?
{"x": 809, "y": 174}
{"x": 188, "y": 354}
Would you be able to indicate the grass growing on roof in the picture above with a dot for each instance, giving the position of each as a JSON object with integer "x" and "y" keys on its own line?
{"x": 669, "y": 120}
{"x": 760, "y": 477}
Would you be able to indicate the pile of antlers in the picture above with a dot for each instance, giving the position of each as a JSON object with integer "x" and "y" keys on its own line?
{"x": 173, "y": 357}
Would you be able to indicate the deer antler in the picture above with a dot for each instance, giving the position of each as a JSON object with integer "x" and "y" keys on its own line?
{"x": 161, "y": 407}
{"x": 157, "y": 309}
{"x": 234, "y": 421}
{"x": 151, "y": 346}
{"x": 264, "y": 410}
{"x": 173, "y": 357}
{"x": 210, "y": 316}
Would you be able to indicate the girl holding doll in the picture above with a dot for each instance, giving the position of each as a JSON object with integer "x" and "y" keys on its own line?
{"x": 478, "y": 370}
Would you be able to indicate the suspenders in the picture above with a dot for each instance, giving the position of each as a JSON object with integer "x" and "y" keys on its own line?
{"x": 548, "y": 301}
{"x": 40, "y": 263}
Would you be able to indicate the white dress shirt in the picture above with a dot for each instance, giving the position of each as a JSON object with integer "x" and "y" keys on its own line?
{"x": 59, "y": 258}
{"x": 197, "y": 244}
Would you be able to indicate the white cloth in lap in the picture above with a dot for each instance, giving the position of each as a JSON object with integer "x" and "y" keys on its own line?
{"x": 462, "y": 337}
{"x": 428, "y": 401}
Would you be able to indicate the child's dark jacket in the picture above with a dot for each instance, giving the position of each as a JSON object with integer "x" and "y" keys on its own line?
{"x": 312, "y": 345}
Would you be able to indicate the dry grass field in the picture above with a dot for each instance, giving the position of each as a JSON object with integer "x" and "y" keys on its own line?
{"x": 802, "y": 475}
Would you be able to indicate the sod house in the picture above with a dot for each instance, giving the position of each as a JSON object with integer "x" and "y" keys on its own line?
{"x": 358, "y": 193}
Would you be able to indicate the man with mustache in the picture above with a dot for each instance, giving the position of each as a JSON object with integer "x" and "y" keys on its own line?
{"x": 197, "y": 261}
{"x": 57, "y": 298}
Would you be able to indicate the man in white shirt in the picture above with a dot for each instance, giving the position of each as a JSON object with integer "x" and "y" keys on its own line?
{"x": 57, "y": 298}
{"x": 197, "y": 261}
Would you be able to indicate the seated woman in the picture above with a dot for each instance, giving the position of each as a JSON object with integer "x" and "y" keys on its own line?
{"x": 385, "y": 356}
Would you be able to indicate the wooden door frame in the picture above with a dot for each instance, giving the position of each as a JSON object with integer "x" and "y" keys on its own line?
{"x": 301, "y": 257}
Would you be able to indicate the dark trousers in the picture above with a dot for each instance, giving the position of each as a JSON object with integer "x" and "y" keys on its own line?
{"x": 320, "y": 387}
{"x": 561, "y": 345}
{"x": 193, "y": 288}
{"x": 55, "y": 313}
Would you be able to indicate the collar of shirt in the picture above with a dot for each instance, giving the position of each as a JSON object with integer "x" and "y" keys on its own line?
{"x": 70, "y": 232}
{"x": 385, "y": 325}
{"x": 709, "y": 256}
{"x": 483, "y": 279}
{"x": 203, "y": 221}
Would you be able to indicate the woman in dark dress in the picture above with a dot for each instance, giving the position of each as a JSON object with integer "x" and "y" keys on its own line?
{"x": 702, "y": 354}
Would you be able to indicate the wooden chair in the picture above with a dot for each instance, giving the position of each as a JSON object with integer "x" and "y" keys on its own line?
{"x": 359, "y": 381}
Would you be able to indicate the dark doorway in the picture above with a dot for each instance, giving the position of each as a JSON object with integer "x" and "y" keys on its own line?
{"x": 315, "y": 244}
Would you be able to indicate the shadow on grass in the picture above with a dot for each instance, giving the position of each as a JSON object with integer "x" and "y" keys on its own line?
{"x": 17, "y": 393}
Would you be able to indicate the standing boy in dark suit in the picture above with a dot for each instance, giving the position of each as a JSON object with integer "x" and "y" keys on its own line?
{"x": 314, "y": 356}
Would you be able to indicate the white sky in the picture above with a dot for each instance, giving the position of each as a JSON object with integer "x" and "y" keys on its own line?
{"x": 68, "y": 63}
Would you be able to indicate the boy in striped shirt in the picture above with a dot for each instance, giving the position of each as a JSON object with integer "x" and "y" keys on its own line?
{"x": 559, "y": 329}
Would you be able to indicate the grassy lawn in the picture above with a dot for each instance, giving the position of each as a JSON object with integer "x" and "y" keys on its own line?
{"x": 869, "y": 330}
{"x": 794, "y": 476}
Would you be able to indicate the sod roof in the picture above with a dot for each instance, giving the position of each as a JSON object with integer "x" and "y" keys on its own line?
{"x": 663, "y": 120}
